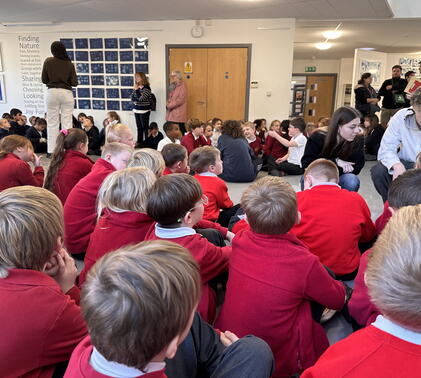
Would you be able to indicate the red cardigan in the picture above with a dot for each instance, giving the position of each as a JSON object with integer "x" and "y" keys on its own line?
{"x": 360, "y": 306}
{"x": 79, "y": 365}
{"x": 39, "y": 324}
{"x": 272, "y": 279}
{"x": 218, "y": 198}
{"x": 16, "y": 172}
{"x": 166, "y": 171}
{"x": 274, "y": 148}
{"x": 80, "y": 207}
{"x": 191, "y": 144}
{"x": 369, "y": 352}
{"x": 382, "y": 220}
{"x": 333, "y": 222}
{"x": 256, "y": 146}
{"x": 212, "y": 261}
{"x": 114, "y": 230}
{"x": 75, "y": 166}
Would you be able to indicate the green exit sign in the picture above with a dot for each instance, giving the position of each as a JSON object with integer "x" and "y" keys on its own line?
{"x": 310, "y": 68}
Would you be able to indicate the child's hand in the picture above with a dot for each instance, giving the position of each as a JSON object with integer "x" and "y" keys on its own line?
{"x": 67, "y": 271}
{"x": 230, "y": 236}
{"x": 36, "y": 160}
{"x": 227, "y": 338}
{"x": 272, "y": 133}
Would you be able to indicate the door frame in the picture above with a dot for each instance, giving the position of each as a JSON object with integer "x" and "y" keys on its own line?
{"x": 335, "y": 84}
{"x": 212, "y": 46}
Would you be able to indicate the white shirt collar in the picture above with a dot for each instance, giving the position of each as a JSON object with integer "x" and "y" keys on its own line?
{"x": 396, "y": 330}
{"x": 208, "y": 174}
{"x": 113, "y": 369}
{"x": 252, "y": 139}
{"x": 172, "y": 233}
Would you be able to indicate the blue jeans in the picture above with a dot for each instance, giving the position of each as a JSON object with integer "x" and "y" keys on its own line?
{"x": 350, "y": 182}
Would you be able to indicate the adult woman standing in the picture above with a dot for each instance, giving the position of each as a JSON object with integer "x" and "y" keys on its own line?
{"x": 177, "y": 101}
{"x": 341, "y": 144}
{"x": 59, "y": 74}
{"x": 366, "y": 97}
{"x": 236, "y": 155}
{"x": 141, "y": 98}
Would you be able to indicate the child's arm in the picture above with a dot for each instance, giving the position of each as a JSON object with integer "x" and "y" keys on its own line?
{"x": 223, "y": 198}
{"x": 187, "y": 142}
{"x": 213, "y": 261}
{"x": 285, "y": 142}
{"x": 208, "y": 224}
{"x": 368, "y": 229}
{"x": 26, "y": 177}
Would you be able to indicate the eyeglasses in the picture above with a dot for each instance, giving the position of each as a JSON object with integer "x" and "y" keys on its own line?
{"x": 203, "y": 201}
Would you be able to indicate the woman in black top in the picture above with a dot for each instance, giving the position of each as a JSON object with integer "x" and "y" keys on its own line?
{"x": 141, "y": 97}
{"x": 340, "y": 143}
{"x": 366, "y": 97}
{"x": 59, "y": 74}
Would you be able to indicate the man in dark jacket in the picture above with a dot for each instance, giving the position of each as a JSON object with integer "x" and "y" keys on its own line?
{"x": 393, "y": 94}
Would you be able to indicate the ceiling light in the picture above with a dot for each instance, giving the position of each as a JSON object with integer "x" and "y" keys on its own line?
{"x": 367, "y": 48}
{"x": 323, "y": 45}
{"x": 332, "y": 34}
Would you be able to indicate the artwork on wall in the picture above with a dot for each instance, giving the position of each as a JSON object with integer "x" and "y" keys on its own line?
{"x": 2, "y": 90}
{"x": 105, "y": 69}
{"x": 374, "y": 67}
{"x": 410, "y": 64}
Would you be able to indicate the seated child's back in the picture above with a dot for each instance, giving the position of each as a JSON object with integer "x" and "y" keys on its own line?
{"x": 272, "y": 279}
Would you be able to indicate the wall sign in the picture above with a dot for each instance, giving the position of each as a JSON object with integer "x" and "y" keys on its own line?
{"x": 310, "y": 69}
{"x": 188, "y": 67}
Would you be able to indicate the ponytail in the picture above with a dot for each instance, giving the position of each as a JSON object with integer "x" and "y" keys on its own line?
{"x": 11, "y": 142}
{"x": 66, "y": 140}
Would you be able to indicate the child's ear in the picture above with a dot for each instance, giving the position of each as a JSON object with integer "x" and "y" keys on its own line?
{"x": 171, "y": 348}
{"x": 308, "y": 181}
{"x": 187, "y": 219}
{"x": 211, "y": 168}
{"x": 298, "y": 218}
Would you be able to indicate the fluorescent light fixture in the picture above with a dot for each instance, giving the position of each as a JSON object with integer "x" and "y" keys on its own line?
{"x": 367, "y": 48}
{"x": 323, "y": 45}
{"x": 17, "y": 24}
{"x": 332, "y": 34}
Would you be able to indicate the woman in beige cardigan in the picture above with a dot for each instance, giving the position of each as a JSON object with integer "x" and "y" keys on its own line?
{"x": 177, "y": 101}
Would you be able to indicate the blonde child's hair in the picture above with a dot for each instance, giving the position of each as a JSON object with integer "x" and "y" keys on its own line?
{"x": 201, "y": 158}
{"x": 393, "y": 274}
{"x": 194, "y": 123}
{"x": 270, "y": 204}
{"x": 249, "y": 124}
{"x": 150, "y": 158}
{"x": 11, "y": 143}
{"x": 114, "y": 149}
{"x": 115, "y": 132}
{"x": 137, "y": 299}
{"x": 323, "y": 170}
{"x": 126, "y": 190}
{"x": 31, "y": 221}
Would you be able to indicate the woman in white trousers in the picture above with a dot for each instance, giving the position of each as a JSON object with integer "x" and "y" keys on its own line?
{"x": 59, "y": 74}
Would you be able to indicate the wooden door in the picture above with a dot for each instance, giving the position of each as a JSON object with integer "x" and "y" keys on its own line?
{"x": 196, "y": 81}
{"x": 320, "y": 97}
{"x": 227, "y": 81}
{"x": 217, "y": 86}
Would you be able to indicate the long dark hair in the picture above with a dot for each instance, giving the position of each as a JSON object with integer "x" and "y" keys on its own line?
{"x": 59, "y": 50}
{"x": 65, "y": 141}
{"x": 335, "y": 145}
{"x": 233, "y": 129}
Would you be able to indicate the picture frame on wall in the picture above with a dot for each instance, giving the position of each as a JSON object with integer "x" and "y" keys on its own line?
{"x": 2, "y": 90}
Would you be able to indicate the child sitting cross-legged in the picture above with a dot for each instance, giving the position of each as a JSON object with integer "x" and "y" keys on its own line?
{"x": 207, "y": 164}
{"x": 273, "y": 278}
{"x": 37, "y": 134}
{"x": 154, "y": 136}
{"x": 122, "y": 209}
{"x": 391, "y": 346}
{"x": 176, "y": 204}
{"x": 40, "y": 319}
{"x": 175, "y": 157}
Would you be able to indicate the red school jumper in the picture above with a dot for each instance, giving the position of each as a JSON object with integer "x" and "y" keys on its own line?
{"x": 212, "y": 261}
{"x": 274, "y": 148}
{"x": 16, "y": 172}
{"x": 333, "y": 222}
{"x": 113, "y": 231}
{"x": 217, "y": 192}
{"x": 360, "y": 306}
{"x": 191, "y": 143}
{"x": 80, "y": 207}
{"x": 79, "y": 365}
{"x": 272, "y": 279}
{"x": 39, "y": 324}
{"x": 256, "y": 146}
{"x": 382, "y": 220}
{"x": 369, "y": 352}
{"x": 75, "y": 166}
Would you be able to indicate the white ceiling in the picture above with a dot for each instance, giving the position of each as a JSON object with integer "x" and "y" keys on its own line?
{"x": 141, "y": 10}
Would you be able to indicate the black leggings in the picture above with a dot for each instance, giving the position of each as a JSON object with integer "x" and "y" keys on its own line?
{"x": 142, "y": 124}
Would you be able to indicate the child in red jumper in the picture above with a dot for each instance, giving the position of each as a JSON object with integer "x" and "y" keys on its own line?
{"x": 391, "y": 346}
{"x": 207, "y": 164}
{"x": 122, "y": 205}
{"x": 273, "y": 149}
{"x": 40, "y": 319}
{"x": 15, "y": 153}
{"x": 139, "y": 303}
{"x": 175, "y": 157}
{"x": 272, "y": 279}
{"x": 175, "y": 216}
{"x": 333, "y": 220}
{"x": 194, "y": 138}
{"x": 405, "y": 190}
{"x": 69, "y": 163}
{"x": 80, "y": 207}
{"x": 253, "y": 140}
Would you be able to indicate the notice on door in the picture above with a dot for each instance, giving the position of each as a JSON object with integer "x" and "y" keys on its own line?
{"x": 188, "y": 67}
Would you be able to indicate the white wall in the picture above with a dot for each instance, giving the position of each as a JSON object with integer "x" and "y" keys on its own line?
{"x": 322, "y": 65}
{"x": 271, "y": 61}
{"x": 345, "y": 77}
